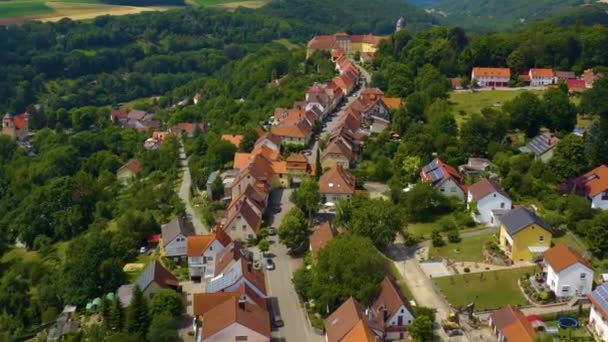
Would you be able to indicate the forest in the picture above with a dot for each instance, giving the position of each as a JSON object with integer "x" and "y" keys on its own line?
{"x": 61, "y": 198}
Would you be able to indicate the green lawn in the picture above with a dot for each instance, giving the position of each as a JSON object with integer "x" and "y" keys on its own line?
{"x": 22, "y": 8}
{"x": 489, "y": 290}
{"x": 571, "y": 240}
{"x": 469, "y": 249}
{"x": 424, "y": 229}
{"x": 213, "y": 2}
{"x": 20, "y": 254}
{"x": 580, "y": 334}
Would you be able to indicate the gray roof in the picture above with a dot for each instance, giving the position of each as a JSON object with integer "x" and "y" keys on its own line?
{"x": 212, "y": 177}
{"x": 174, "y": 228}
{"x": 519, "y": 218}
{"x": 540, "y": 144}
{"x": 155, "y": 272}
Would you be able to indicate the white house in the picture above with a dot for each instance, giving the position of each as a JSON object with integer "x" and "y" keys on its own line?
{"x": 336, "y": 184}
{"x": 491, "y": 77}
{"x": 594, "y": 186}
{"x": 174, "y": 235}
{"x": 201, "y": 251}
{"x": 541, "y": 77}
{"x": 393, "y": 310}
{"x": 568, "y": 274}
{"x": 488, "y": 196}
{"x": 598, "y": 315}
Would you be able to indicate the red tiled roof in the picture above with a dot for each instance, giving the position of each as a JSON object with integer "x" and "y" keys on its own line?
{"x": 575, "y": 84}
{"x": 344, "y": 319}
{"x": 234, "y": 139}
{"x": 299, "y": 130}
{"x": 593, "y": 182}
{"x": 392, "y": 102}
{"x": 390, "y": 298}
{"x": 320, "y": 237}
{"x": 562, "y": 256}
{"x": 541, "y": 72}
{"x": 118, "y": 114}
{"x": 270, "y": 137}
{"x": 134, "y": 165}
{"x": 230, "y": 312}
{"x": 203, "y": 302}
{"x": 513, "y": 324}
{"x": 484, "y": 188}
{"x": 154, "y": 238}
{"x": 337, "y": 147}
{"x": 196, "y": 245}
{"x": 492, "y": 72}
{"x": 337, "y": 181}
{"x": 189, "y": 127}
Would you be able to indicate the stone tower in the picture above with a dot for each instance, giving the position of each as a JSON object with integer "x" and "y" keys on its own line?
{"x": 400, "y": 24}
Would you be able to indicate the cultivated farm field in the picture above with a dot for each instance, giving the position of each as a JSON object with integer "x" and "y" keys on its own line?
{"x": 229, "y": 4}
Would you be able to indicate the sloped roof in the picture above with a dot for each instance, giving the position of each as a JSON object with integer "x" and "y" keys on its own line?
{"x": 360, "y": 333}
{"x": 541, "y": 144}
{"x": 565, "y": 75}
{"x": 174, "y": 228}
{"x": 136, "y": 114}
{"x": 437, "y": 172}
{"x": 562, "y": 256}
{"x": 513, "y": 324}
{"x": 321, "y": 237}
{"x": 344, "y": 319}
{"x": 389, "y": 297}
{"x": 270, "y": 137}
{"x": 392, "y": 102}
{"x": 243, "y": 209}
{"x": 196, "y": 245}
{"x": 229, "y": 312}
{"x": 593, "y": 182}
{"x": 134, "y": 165}
{"x": 574, "y": 85}
{"x": 337, "y": 146}
{"x": 155, "y": 272}
{"x": 337, "y": 181}
{"x": 299, "y": 129}
{"x": 234, "y": 139}
{"x": 484, "y": 188}
{"x": 541, "y": 72}
{"x": 189, "y": 127}
{"x": 204, "y": 302}
{"x": 492, "y": 72}
{"x": 520, "y": 218}
{"x": 599, "y": 299}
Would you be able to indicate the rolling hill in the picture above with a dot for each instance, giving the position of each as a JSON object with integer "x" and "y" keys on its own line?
{"x": 484, "y": 15}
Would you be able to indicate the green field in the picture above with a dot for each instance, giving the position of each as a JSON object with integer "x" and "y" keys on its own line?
{"x": 488, "y": 290}
{"x": 217, "y": 2}
{"x": 22, "y": 8}
{"x": 469, "y": 249}
{"x": 470, "y": 103}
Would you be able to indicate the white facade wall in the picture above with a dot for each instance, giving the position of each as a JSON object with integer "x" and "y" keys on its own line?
{"x": 451, "y": 189}
{"x": 598, "y": 323}
{"x": 485, "y": 206}
{"x": 335, "y": 198}
{"x": 484, "y": 81}
{"x": 406, "y": 318}
{"x": 235, "y": 330}
{"x": 204, "y": 266}
{"x": 574, "y": 280}
{"x": 598, "y": 203}
{"x": 177, "y": 247}
{"x": 541, "y": 81}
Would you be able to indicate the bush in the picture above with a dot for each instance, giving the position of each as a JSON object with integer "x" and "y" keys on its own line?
{"x": 436, "y": 239}
{"x": 467, "y": 270}
{"x": 447, "y": 224}
{"x": 454, "y": 236}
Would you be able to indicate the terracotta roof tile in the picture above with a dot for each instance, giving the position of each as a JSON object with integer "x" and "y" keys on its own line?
{"x": 593, "y": 182}
{"x": 337, "y": 147}
{"x": 203, "y": 302}
{"x": 484, "y": 188}
{"x": 234, "y": 139}
{"x": 196, "y": 245}
{"x": 337, "y": 181}
{"x": 541, "y": 72}
{"x": 360, "y": 333}
{"x": 344, "y": 319}
{"x": 292, "y": 130}
{"x": 492, "y": 72}
{"x": 134, "y": 165}
{"x": 230, "y": 312}
{"x": 392, "y": 102}
{"x": 321, "y": 237}
{"x": 270, "y": 137}
{"x": 562, "y": 256}
{"x": 513, "y": 324}
{"x": 389, "y": 296}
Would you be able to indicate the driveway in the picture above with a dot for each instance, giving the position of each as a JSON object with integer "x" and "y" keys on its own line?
{"x": 420, "y": 285}
{"x": 279, "y": 284}
{"x": 184, "y": 194}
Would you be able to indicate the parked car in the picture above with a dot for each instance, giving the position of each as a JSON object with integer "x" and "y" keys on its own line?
{"x": 270, "y": 264}
{"x": 273, "y": 309}
{"x": 276, "y": 209}
{"x": 272, "y": 231}
{"x": 143, "y": 250}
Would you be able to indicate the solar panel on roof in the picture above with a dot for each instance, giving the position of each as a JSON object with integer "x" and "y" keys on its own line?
{"x": 436, "y": 175}
{"x": 600, "y": 294}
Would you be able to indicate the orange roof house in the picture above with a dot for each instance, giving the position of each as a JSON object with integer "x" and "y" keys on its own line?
{"x": 561, "y": 256}
{"x": 348, "y": 322}
{"x": 510, "y": 324}
{"x": 593, "y": 185}
{"x": 336, "y": 184}
{"x": 234, "y": 139}
{"x": 445, "y": 178}
{"x": 392, "y": 102}
{"x": 128, "y": 171}
{"x": 491, "y": 77}
{"x": 232, "y": 319}
{"x": 541, "y": 73}
{"x": 321, "y": 237}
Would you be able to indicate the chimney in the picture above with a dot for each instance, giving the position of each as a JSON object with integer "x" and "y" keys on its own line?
{"x": 242, "y": 301}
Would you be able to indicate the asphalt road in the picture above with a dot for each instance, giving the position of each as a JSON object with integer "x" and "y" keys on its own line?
{"x": 184, "y": 194}
{"x": 279, "y": 284}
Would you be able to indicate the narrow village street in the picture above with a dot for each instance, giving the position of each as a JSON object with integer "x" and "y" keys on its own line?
{"x": 184, "y": 194}
{"x": 297, "y": 327}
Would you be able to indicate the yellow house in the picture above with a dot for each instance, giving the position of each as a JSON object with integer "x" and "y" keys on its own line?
{"x": 337, "y": 153}
{"x": 524, "y": 235}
